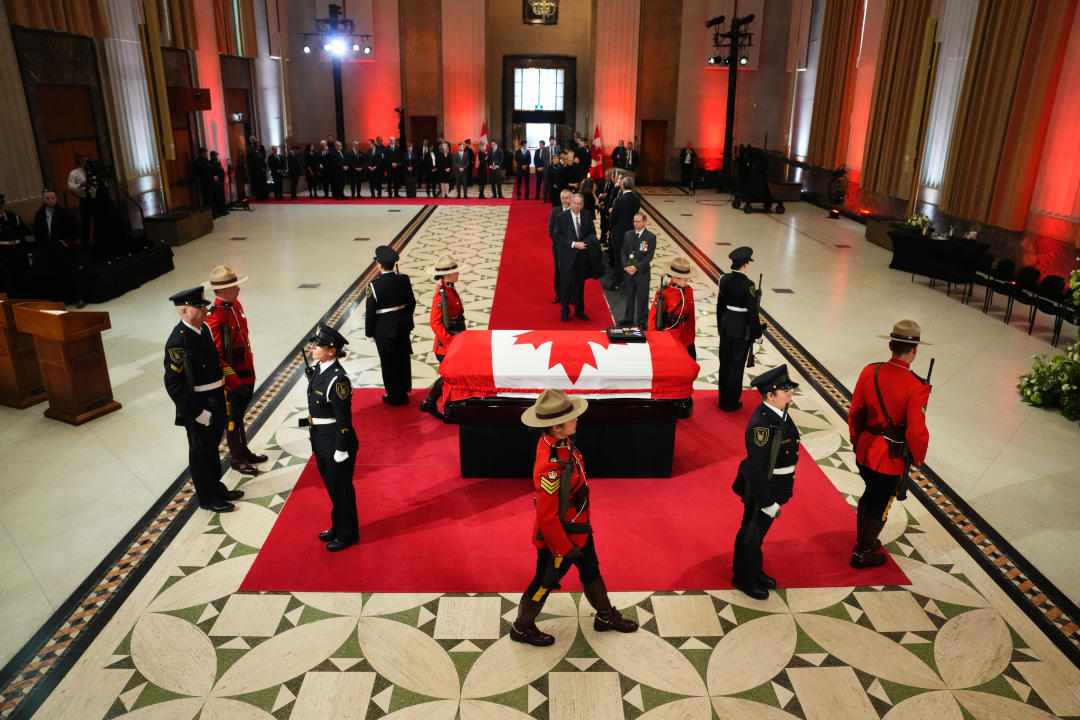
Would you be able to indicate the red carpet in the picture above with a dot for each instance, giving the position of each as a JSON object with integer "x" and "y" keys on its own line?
{"x": 524, "y": 289}
{"x": 305, "y": 200}
{"x": 425, "y": 529}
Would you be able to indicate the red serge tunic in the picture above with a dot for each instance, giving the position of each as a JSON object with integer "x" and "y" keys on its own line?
{"x": 241, "y": 371}
{"x": 679, "y": 316}
{"x": 443, "y": 337}
{"x": 905, "y": 398}
{"x": 548, "y": 532}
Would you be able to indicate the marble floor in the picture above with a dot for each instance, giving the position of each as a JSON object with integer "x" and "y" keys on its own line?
{"x": 182, "y": 641}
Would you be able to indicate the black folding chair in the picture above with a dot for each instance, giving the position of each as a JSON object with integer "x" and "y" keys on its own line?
{"x": 1068, "y": 313}
{"x": 1022, "y": 290}
{"x": 1001, "y": 281}
{"x": 1047, "y": 298}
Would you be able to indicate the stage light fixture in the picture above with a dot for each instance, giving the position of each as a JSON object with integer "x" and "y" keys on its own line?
{"x": 711, "y": 61}
{"x": 337, "y": 47}
{"x": 743, "y": 61}
{"x": 718, "y": 20}
{"x": 367, "y": 49}
{"x": 307, "y": 49}
{"x": 326, "y": 46}
{"x": 356, "y": 47}
{"x": 834, "y": 214}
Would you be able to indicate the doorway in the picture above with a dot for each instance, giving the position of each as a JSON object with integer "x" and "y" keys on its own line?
{"x": 423, "y": 127}
{"x": 537, "y": 89}
{"x": 653, "y": 151}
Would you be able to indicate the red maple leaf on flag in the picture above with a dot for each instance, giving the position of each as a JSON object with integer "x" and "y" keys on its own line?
{"x": 571, "y": 349}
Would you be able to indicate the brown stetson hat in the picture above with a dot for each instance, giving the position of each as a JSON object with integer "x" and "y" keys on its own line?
{"x": 681, "y": 267}
{"x": 553, "y": 407}
{"x": 447, "y": 265}
{"x": 906, "y": 331}
{"x": 223, "y": 277}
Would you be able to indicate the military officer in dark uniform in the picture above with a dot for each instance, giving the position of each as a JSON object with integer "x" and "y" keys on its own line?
{"x": 20, "y": 264}
{"x": 766, "y": 478}
{"x": 333, "y": 439}
{"x": 389, "y": 319}
{"x": 739, "y": 326}
{"x": 193, "y": 379}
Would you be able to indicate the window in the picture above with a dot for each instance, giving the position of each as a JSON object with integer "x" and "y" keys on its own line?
{"x": 538, "y": 89}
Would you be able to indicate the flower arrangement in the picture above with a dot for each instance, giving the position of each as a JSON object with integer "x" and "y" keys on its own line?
{"x": 1055, "y": 381}
{"x": 918, "y": 222}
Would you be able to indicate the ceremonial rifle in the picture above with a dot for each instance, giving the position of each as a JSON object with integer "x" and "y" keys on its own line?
{"x": 750, "y": 354}
{"x": 900, "y": 489}
{"x": 550, "y": 581}
{"x": 658, "y": 301}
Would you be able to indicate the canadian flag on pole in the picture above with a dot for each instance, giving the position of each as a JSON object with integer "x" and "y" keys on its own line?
{"x": 483, "y": 134}
{"x": 596, "y": 168}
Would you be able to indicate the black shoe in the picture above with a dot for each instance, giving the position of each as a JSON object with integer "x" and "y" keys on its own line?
{"x": 531, "y": 635}
{"x": 868, "y": 559}
{"x": 565, "y": 318}
{"x": 256, "y": 459}
{"x": 387, "y": 399}
{"x": 731, "y": 408}
{"x": 336, "y": 545}
{"x": 611, "y": 619}
{"x": 244, "y": 467}
{"x": 754, "y": 589}
{"x": 233, "y": 495}
{"x": 766, "y": 580}
{"x": 219, "y": 507}
{"x": 429, "y": 406}
{"x": 582, "y": 316}
{"x": 326, "y": 535}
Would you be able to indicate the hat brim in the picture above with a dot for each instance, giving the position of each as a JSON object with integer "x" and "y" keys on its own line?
{"x": 909, "y": 342}
{"x": 461, "y": 267}
{"x": 578, "y": 405}
{"x": 211, "y": 285}
{"x": 676, "y": 273}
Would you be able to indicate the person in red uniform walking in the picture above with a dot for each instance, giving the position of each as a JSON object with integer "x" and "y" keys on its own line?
{"x": 561, "y": 530}
{"x": 447, "y": 320}
{"x": 678, "y": 306}
{"x": 888, "y": 410}
{"x": 229, "y": 327}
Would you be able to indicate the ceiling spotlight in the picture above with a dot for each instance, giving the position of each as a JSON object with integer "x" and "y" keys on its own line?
{"x": 307, "y": 49}
{"x": 337, "y": 46}
{"x": 711, "y": 61}
{"x": 367, "y": 49}
{"x": 356, "y": 47}
{"x": 326, "y": 46}
{"x": 743, "y": 61}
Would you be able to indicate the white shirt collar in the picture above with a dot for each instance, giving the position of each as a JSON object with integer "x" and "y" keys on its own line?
{"x": 193, "y": 328}
{"x": 324, "y": 364}
{"x": 779, "y": 412}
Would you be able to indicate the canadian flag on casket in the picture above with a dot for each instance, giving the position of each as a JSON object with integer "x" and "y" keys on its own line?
{"x": 523, "y": 363}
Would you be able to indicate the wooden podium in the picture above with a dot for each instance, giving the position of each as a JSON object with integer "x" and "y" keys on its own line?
{"x": 20, "y": 377}
{"x": 71, "y": 358}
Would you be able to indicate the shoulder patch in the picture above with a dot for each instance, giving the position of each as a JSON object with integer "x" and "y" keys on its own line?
{"x": 761, "y": 436}
{"x": 753, "y": 290}
{"x": 549, "y": 482}
{"x": 175, "y": 355}
{"x": 342, "y": 389}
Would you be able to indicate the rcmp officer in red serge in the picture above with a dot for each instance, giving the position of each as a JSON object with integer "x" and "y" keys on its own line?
{"x": 193, "y": 381}
{"x": 447, "y": 320}
{"x": 333, "y": 440}
{"x": 228, "y": 324}
{"x": 389, "y": 319}
{"x": 676, "y": 313}
{"x": 739, "y": 326}
{"x": 888, "y": 410}
{"x": 766, "y": 478}
{"x": 561, "y": 531}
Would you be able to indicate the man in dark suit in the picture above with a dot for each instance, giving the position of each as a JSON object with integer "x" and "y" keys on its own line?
{"x": 20, "y": 262}
{"x": 739, "y": 325}
{"x": 541, "y": 159}
{"x": 354, "y": 167}
{"x": 389, "y": 319}
{"x": 373, "y": 163}
{"x": 472, "y": 165}
{"x": 633, "y": 159}
{"x": 688, "y": 165}
{"x": 392, "y": 161}
{"x": 410, "y": 167}
{"x": 295, "y": 165}
{"x": 57, "y": 232}
{"x": 522, "y": 160}
{"x": 256, "y": 166}
{"x": 556, "y": 211}
{"x": 618, "y": 156}
{"x": 461, "y": 170}
{"x": 554, "y": 188}
{"x": 336, "y": 160}
{"x": 430, "y": 172}
{"x": 638, "y": 248}
{"x": 621, "y": 222}
{"x": 495, "y": 169}
{"x": 277, "y": 170}
{"x": 204, "y": 174}
{"x": 324, "y": 167}
{"x": 574, "y": 232}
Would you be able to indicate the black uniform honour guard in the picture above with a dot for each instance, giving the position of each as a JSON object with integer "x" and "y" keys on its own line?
{"x": 766, "y": 478}
{"x": 333, "y": 439}
{"x": 738, "y": 324}
{"x": 193, "y": 379}
{"x": 389, "y": 319}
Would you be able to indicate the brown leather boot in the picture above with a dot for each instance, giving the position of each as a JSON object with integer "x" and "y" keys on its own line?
{"x": 238, "y": 458}
{"x": 524, "y": 630}
{"x": 251, "y": 457}
{"x": 611, "y": 619}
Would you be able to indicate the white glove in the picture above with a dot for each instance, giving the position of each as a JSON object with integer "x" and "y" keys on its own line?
{"x": 204, "y": 418}
{"x": 771, "y": 510}
{"x": 342, "y": 456}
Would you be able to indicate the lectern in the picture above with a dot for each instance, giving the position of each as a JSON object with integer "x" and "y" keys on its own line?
{"x": 72, "y": 360}
{"x": 20, "y": 377}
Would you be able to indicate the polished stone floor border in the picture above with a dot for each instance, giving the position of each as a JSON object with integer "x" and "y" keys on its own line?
{"x": 41, "y": 664}
{"x": 1049, "y": 608}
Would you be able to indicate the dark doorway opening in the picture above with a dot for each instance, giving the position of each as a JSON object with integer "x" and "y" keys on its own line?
{"x": 653, "y": 151}
{"x": 515, "y": 119}
{"x": 423, "y": 127}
